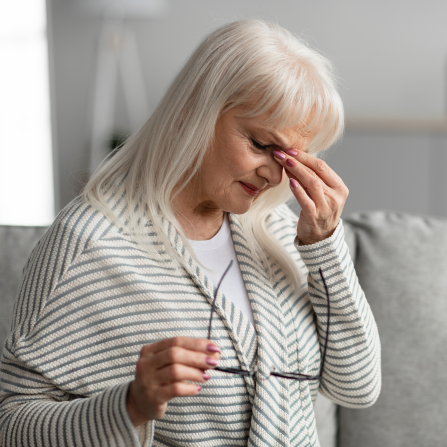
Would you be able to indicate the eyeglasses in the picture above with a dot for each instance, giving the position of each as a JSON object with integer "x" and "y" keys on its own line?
{"x": 254, "y": 371}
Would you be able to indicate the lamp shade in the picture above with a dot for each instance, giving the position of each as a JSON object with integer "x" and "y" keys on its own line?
{"x": 129, "y": 9}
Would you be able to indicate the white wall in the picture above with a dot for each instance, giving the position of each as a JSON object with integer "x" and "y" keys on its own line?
{"x": 26, "y": 167}
{"x": 390, "y": 56}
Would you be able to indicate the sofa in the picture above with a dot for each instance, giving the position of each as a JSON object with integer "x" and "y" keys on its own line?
{"x": 401, "y": 261}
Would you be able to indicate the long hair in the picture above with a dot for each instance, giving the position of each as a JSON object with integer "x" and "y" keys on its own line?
{"x": 251, "y": 64}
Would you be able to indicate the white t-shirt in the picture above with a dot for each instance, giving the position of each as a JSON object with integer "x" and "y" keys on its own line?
{"x": 215, "y": 254}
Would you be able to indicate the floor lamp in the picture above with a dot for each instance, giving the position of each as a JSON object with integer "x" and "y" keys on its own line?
{"x": 118, "y": 59}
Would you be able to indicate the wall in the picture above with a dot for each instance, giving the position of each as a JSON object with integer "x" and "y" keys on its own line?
{"x": 393, "y": 170}
{"x": 390, "y": 56}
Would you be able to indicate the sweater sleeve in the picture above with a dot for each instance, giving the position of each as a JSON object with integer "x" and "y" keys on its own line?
{"x": 35, "y": 409}
{"x": 352, "y": 373}
{"x": 35, "y": 413}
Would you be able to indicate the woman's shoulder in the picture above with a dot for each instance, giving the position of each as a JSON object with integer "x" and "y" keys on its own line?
{"x": 77, "y": 227}
{"x": 79, "y": 220}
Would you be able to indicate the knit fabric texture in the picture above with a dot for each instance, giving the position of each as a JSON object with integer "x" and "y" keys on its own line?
{"x": 91, "y": 298}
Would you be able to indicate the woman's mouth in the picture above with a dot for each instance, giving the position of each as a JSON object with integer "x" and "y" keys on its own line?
{"x": 250, "y": 189}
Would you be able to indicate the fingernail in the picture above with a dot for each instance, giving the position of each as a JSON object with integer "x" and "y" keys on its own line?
{"x": 213, "y": 348}
{"x": 206, "y": 376}
{"x": 279, "y": 154}
{"x": 199, "y": 388}
{"x": 293, "y": 183}
{"x": 291, "y": 152}
{"x": 212, "y": 362}
{"x": 290, "y": 162}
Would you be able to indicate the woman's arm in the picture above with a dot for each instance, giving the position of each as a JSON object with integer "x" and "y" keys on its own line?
{"x": 352, "y": 375}
{"x": 33, "y": 412}
{"x": 64, "y": 380}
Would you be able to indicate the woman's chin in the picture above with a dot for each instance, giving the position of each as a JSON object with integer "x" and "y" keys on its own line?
{"x": 240, "y": 208}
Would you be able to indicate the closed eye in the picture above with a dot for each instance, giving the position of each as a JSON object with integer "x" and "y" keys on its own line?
{"x": 258, "y": 145}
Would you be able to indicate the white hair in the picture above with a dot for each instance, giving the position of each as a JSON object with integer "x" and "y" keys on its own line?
{"x": 251, "y": 64}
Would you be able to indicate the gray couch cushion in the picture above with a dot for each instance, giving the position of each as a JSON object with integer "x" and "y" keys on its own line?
{"x": 16, "y": 244}
{"x": 402, "y": 266}
{"x": 326, "y": 417}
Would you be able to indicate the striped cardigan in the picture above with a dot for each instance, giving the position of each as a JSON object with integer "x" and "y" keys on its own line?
{"x": 90, "y": 299}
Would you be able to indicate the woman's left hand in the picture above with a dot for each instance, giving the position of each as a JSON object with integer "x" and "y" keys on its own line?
{"x": 320, "y": 192}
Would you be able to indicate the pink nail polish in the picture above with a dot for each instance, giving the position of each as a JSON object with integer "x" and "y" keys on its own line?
{"x": 290, "y": 162}
{"x": 293, "y": 183}
{"x": 199, "y": 388}
{"x": 211, "y": 361}
{"x": 213, "y": 348}
{"x": 279, "y": 154}
{"x": 206, "y": 376}
{"x": 291, "y": 152}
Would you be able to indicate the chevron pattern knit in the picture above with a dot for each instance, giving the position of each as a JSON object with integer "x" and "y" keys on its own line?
{"x": 90, "y": 299}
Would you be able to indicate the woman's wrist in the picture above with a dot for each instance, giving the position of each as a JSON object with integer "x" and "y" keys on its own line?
{"x": 314, "y": 240}
{"x": 135, "y": 416}
{"x": 300, "y": 242}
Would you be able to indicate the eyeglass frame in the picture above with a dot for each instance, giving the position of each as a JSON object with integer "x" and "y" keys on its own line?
{"x": 285, "y": 375}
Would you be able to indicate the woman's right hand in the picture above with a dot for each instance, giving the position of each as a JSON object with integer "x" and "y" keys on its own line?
{"x": 161, "y": 374}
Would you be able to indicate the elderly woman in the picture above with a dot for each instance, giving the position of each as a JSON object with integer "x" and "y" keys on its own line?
{"x": 112, "y": 342}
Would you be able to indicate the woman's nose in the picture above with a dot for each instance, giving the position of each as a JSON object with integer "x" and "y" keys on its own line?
{"x": 272, "y": 171}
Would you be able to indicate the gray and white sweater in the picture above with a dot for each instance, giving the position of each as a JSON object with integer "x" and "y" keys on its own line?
{"x": 90, "y": 299}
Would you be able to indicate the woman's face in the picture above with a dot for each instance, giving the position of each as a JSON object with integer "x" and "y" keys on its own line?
{"x": 239, "y": 166}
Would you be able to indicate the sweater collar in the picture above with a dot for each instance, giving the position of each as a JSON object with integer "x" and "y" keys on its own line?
{"x": 264, "y": 345}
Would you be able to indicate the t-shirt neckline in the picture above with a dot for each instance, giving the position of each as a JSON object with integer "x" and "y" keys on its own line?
{"x": 216, "y": 241}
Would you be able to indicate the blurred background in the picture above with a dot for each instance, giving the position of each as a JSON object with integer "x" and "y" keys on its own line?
{"x": 76, "y": 78}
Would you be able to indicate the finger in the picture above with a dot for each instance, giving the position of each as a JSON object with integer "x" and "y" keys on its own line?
{"x": 320, "y": 167}
{"x": 333, "y": 199}
{"x": 309, "y": 181}
{"x": 179, "y": 373}
{"x": 178, "y": 389}
{"x": 193, "y": 344}
{"x": 291, "y": 177}
{"x": 302, "y": 195}
{"x": 297, "y": 169}
{"x": 176, "y": 354}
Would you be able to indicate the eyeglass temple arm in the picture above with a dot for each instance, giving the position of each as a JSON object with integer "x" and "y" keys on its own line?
{"x": 327, "y": 326}
{"x": 215, "y": 296}
{"x": 304, "y": 376}
{"x": 320, "y": 375}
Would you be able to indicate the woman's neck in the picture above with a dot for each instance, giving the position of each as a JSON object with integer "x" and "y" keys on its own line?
{"x": 200, "y": 220}
{"x": 198, "y": 228}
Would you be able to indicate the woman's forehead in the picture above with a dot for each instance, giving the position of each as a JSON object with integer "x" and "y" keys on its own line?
{"x": 300, "y": 121}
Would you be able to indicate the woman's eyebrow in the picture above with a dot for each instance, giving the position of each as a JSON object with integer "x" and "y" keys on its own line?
{"x": 278, "y": 139}
{"x": 282, "y": 140}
